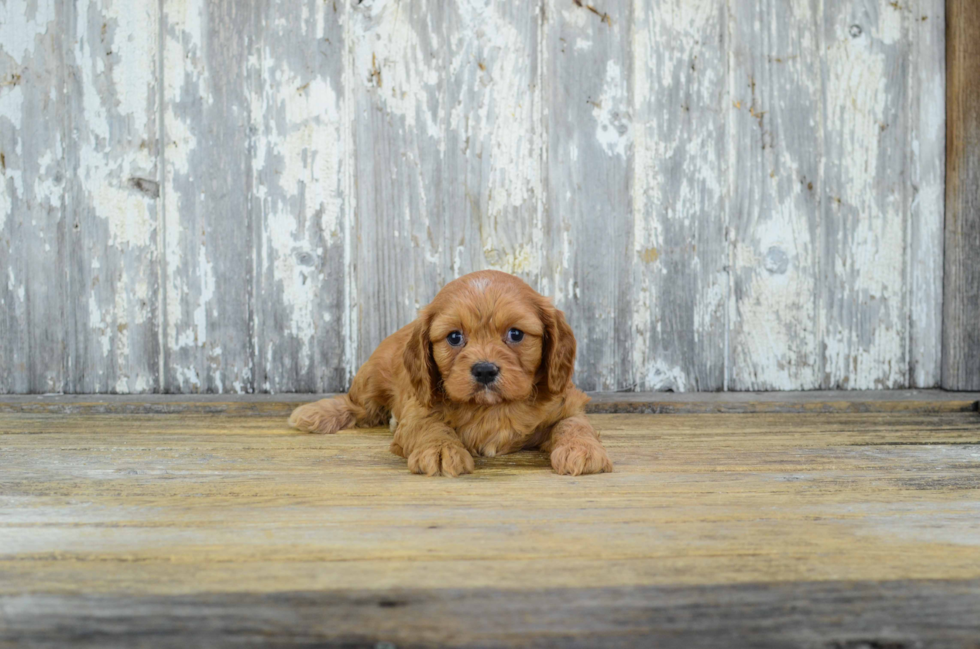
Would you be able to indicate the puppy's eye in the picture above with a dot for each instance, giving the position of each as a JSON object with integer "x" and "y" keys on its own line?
{"x": 515, "y": 335}
{"x": 455, "y": 338}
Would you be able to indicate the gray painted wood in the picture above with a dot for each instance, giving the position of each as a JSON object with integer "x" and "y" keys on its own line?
{"x": 237, "y": 197}
{"x": 588, "y": 157}
{"x": 446, "y": 157}
{"x": 113, "y": 197}
{"x": 927, "y": 169}
{"x": 839, "y": 614}
{"x": 207, "y": 226}
{"x": 299, "y": 199}
{"x": 961, "y": 305}
{"x": 776, "y": 97}
{"x": 680, "y": 249}
{"x": 33, "y": 182}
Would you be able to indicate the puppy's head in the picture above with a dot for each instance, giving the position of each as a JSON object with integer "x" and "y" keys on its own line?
{"x": 489, "y": 338}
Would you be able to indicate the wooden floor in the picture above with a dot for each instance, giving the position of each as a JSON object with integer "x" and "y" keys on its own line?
{"x": 826, "y": 529}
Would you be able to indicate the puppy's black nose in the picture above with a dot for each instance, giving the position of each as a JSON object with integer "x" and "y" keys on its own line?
{"x": 484, "y": 372}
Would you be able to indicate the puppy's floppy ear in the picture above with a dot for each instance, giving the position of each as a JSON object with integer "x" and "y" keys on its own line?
{"x": 418, "y": 360}
{"x": 559, "y": 349}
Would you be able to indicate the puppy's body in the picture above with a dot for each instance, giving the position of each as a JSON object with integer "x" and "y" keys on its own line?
{"x": 484, "y": 370}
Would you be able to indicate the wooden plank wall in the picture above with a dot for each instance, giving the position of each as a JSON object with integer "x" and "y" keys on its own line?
{"x": 218, "y": 196}
{"x": 961, "y": 306}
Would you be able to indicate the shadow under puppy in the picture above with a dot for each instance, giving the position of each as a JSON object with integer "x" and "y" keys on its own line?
{"x": 485, "y": 370}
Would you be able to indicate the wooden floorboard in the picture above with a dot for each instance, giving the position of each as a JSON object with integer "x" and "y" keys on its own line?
{"x": 823, "y": 401}
{"x": 780, "y": 529}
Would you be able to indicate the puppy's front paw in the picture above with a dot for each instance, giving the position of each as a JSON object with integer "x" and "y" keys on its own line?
{"x": 580, "y": 457}
{"x": 445, "y": 459}
{"x": 325, "y": 417}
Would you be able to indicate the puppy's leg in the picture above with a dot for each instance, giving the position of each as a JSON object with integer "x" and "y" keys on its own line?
{"x": 325, "y": 416}
{"x": 575, "y": 448}
{"x": 431, "y": 447}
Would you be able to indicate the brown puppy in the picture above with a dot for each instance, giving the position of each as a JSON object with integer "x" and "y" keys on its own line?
{"x": 484, "y": 370}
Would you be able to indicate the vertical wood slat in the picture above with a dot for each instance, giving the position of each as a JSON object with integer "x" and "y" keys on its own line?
{"x": 866, "y": 199}
{"x": 679, "y": 257}
{"x": 113, "y": 343}
{"x": 926, "y": 148}
{"x": 589, "y": 154}
{"x": 33, "y": 182}
{"x": 776, "y": 103}
{"x": 443, "y": 98}
{"x": 398, "y": 105}
{"x": 208, "y": 253}
{"x": 299, "y": 203}
{"x": 961, "y": 294}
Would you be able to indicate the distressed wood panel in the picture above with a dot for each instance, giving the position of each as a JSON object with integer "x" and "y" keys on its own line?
{"x": 679, "y": 260}
{"x": 238, "y": 197}
{"x": 33, "y": 182}
{"x": 208, "y": 230}
{"x": 848, "y": 614}
{"x": 446, "y": 166}
{"x": 927, "y": 169}
{"x": 775, "y": 113}
{"x": 114, "y": 195}
{"x": 299, "y": 202}
{"x": 961, "y": 299}
{"x": 396, "y": 82}
{"x": 866, "y": 211}
{"x": 587, "y": 78}
{"x": 834, "y": 258}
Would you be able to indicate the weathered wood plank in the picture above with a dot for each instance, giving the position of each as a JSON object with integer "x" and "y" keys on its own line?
{"x": 34, "y": 239}
{"x": 680, "y": 248}
{"x": 299, "y": 200}
{"x": 447, "y": 167}
{"x": 492, "y": 153}
{"x": 813, "y": 401}
{"x": 397, "y": 74}
{"x": 180, "y": 505}
{"x": 587, "y": 81}
{"x": 864, "y": 310}
{"x": 927, "y": 168}
{"x": 846, "y": 615}
{"x": 775, "y": 181}
{"x": 961, "y": 295}
{"x": 208, "y": 229}
{"x": 113, "y": 308}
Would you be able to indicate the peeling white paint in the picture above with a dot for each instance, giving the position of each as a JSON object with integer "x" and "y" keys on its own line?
{"x": 20, "y": 27}
{"x": 871, "y": 224}
{"x": 612, "y": 113}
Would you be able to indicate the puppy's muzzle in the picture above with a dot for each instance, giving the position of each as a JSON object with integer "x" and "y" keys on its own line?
{"x": 485, "y": 372}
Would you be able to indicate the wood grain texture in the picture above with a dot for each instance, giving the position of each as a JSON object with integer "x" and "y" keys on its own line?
{"x": 113, "y": 197}
{"x": 446, "y": 146}
{"x": 927, "y": 169}
{"x": 587, "y": 80}
{"x": 169, "y": 517}
{"x": 866, "y": 208}
{"x": 34, "y": 239}
{"x": 961, "y": 295}
{"x": 680, "y": 249}
{"x": 248, "y": 197}
{"x": 299, "y": 201}
{"x": 852, "y": 615}
{"x": 207, "y": 226}
{"x": 774, "y": 180}
{"x": 811, "y": 401}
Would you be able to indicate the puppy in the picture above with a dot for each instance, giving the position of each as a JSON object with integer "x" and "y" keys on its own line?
{"x": 484, "y": 370}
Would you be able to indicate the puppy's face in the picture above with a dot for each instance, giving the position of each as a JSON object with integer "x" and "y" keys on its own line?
{"x": 489, "y": 338}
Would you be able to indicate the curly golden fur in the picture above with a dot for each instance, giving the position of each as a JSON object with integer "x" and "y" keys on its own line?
{"x": 460, "y": 382}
